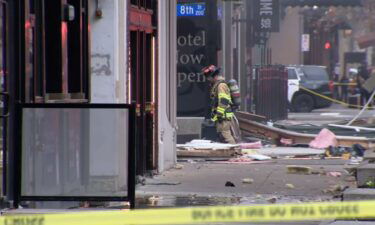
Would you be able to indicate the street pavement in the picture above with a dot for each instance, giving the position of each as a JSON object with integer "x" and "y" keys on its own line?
{"x": 197, "y": 182}
{"x": 270, "y": 180}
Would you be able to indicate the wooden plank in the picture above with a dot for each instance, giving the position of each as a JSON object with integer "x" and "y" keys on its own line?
{"x": 249, "y": 126}
{"x": 204, "y": 153}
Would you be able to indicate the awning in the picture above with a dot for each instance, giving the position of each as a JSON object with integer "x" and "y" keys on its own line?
{"x": 321, "y": 2}
{"x": 366, "y": 40}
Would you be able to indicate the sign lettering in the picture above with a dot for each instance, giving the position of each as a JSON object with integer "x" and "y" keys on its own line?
{"x": 191, "y": 9}
{"x": 267, "y": 15}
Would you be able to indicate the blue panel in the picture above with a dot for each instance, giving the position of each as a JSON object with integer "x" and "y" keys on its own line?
{"x": 191, "y": 9}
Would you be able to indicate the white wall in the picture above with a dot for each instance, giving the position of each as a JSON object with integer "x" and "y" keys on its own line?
{"x": 108, "y": 51}
{"x": 107, "y": 85}
{"x": 167, "y": 83}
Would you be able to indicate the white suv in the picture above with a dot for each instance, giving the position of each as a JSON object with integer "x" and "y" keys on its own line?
{"x": 293, "y": 82}
{"x": 312, "y": 77}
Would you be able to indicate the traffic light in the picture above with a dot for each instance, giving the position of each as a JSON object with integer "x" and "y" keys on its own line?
{"x": 327, "y": 45}
{"x": 321, "y": 3}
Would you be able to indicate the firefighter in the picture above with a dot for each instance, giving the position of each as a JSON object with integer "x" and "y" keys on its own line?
{"x": 221, "y": 103}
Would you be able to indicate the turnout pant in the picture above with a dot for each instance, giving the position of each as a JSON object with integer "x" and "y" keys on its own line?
{"x": 224, "y": 130}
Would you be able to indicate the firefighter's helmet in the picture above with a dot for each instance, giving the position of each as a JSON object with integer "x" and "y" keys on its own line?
{"x": 210, "y": 71}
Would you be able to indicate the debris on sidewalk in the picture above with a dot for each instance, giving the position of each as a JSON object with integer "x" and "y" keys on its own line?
{"x": 244, "y": 161}
{"x": 351, "y": 170}
{"x": 229, "y": 184}
{"x": 286, "y": 142}
{"x": 334, "y": 174}
{"x": 258, "y": 157}
{"x": 355, "y": 161}
{"x": 301, "y": 134}
{"x": 335, "y": 189}
{"x": 250, "y": 156}
{"x": 272, "y": 200}
{"x": 240, "y": 159}
{"x": 320, "y": 171}
{"x": 178, "y": 166}
{"x": 305, "y": 170}
{"x": 359, "y": 150}
{"x": 342, "y": 152}
{"x": 291, "y": 152}
{"x": 350, "y": 179}
{"x": 205, "y": 145}
{"x": 161, "y": 182}
{"x": 250, "y": 151}
{"x": 207, "y": 148}
{"x": 324, "y": 140}
{"x": 154, "y": 198}
{"x": 354, "y": 153}
{"x": 252, "y": 145}
{"x": 290, "y": 186}
{"x": 247, "y": 181}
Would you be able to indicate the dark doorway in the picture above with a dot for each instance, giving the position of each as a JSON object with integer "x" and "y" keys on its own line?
{"x": 142, "y": 61}
{"x": 3, "y": 90}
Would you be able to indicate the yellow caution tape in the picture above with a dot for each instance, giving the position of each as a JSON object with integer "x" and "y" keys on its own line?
{"x": 332, "y": 99}
{"x": 345, "y": 84}
{"x": 223, "y": 214}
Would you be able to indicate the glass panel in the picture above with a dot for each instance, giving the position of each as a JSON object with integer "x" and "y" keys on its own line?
{"x": 315, "y": 72}
{"x": 74, "y": 152}
{"x": 292, "y": 74}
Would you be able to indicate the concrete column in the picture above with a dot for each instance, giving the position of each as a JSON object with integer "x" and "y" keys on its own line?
{"x": 108, "y": 85}
{"x": 242, "y": 81}
{"x": 226, "y": 38}
{"x": 167, "y": 70}
{"x": 103, "y": 51}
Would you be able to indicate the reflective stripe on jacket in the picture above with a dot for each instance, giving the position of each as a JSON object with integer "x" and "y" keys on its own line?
{"x": 221, "y": 101}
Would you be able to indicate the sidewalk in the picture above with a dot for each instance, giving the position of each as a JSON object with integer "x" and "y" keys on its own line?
{"x": 266, "y": 182}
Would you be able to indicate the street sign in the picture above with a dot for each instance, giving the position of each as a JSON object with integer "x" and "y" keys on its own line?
{"x": 191, "y": 9}
{"x": 305, "y": 42}
{"x": 267, "y": 15}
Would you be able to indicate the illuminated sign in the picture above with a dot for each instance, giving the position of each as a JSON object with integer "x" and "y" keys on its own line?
{"x": 191, "y": 9}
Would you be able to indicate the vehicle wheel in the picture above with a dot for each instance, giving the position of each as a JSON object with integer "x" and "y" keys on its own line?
{"x": 303, "y": 103}
{"x": 290, "y": 107}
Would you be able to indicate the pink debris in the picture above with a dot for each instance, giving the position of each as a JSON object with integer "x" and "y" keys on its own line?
{"x": 244, "y": 162}
{"x": 324, "y": 139}
{"x": 240, "y": 160}
{"x": 286, "y": 141}
{"x": 334, "y": 174}
{"x": 251, "y": 145}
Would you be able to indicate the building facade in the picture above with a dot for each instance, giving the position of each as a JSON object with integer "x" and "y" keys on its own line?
{"x": 91, "y": 51}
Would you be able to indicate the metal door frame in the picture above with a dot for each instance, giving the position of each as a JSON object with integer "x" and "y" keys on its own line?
{"x": 4, "y": 95}
{"x": 141, "y": 21}
{"x": 131, "y": 155}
